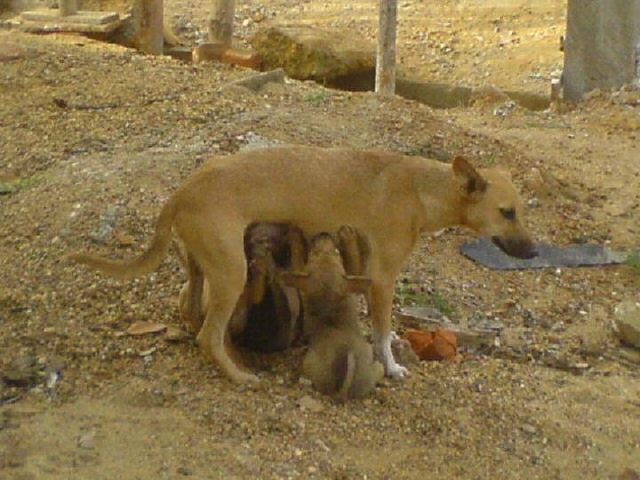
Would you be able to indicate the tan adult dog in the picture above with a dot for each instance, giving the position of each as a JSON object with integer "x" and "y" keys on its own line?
{"x": 339, "y": 361}
{"x": 389, "y": 198}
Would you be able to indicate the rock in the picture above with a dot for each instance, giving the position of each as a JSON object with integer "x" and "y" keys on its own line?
{"x": 107, "y": 223}
{"x": 256, "y": 82}
{"x": 309, "y": 53}
{"x": 23, "y": 372}
{"x": 87, "y": 441}
{"x": 311, "y": 404}
{"x": 629, "y": 474}
{"x": 11, "y": 51}
{"x": 627, "y": 322}
{"x": 185, "y": 471}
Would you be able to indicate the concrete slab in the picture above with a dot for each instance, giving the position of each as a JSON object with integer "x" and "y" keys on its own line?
{"x": 53, "y": 15}
{"x": 55, "y": 26}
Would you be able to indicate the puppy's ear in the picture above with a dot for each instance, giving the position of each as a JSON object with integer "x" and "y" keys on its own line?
{"x": 297, "y": 280}
{"x": 471, "y": 182}
{"x": 357, "y": 284}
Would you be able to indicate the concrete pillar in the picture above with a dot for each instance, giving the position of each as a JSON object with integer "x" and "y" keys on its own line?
{"x": 386, "y": 56}
{"x": 601, "y": 47}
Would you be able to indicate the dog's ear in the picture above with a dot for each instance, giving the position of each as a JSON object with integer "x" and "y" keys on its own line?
{"x": 297, "y": 280}
{"x": 470, "y": 180}
{"x": 357, "y": 284}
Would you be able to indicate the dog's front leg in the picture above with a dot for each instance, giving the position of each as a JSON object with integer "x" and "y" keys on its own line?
{"x": 381, "y": 306}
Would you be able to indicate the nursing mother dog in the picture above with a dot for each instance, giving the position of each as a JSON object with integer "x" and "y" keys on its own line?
{"x": 388, "y": 197}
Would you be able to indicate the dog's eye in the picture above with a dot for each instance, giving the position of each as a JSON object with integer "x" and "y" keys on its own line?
{"x": 508, "y": 213}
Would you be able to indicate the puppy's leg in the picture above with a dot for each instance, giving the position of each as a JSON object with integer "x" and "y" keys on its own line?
{"x": 297, "y": 247}
{"x": 382, "y": 291}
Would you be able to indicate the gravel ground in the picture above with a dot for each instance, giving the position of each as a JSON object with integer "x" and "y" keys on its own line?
{"x": 93, "y": 139}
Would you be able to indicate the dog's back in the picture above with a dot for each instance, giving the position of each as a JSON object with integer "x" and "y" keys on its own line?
{"x": 339, "y": 361}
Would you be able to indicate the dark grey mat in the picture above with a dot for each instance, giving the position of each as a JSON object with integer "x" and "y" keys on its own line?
{"x": 486, "y": 253}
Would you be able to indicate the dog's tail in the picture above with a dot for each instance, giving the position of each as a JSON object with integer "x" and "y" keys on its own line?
{"x": 346, "y": 372}
{"x": 145, "y": 263}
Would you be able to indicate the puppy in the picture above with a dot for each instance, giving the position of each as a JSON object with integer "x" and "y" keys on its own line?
{"x": 268, "y": 314}
{"x": 339, "y": 361}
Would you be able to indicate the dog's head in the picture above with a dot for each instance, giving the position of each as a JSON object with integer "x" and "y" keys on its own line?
{"x": 324, "y": 274}
{"x": 491, "y": 206}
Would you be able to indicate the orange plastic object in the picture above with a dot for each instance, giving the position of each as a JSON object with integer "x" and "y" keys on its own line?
{"x": 439, "y": 345}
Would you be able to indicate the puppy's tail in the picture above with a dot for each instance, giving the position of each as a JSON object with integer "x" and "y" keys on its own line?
{"x": 346, "y": 373}
{"x": 145, "y": 263}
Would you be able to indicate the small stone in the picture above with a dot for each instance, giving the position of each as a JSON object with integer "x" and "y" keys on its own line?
{"x": 87, "y": 441}
{"x": 528, "y": 428}
{"x": 187, "y": 472}
{"x": 627, "y": 323}
{"x": 309, "y": 403}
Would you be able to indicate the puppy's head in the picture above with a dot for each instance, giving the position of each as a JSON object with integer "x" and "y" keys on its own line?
{"x": 324, "y": 272}
{"x": 491, "y": 206}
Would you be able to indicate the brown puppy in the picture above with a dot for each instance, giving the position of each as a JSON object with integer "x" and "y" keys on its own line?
{"x": 339, "y": 361}
{"x": 389, "y": 198}
{"x": 268, "y": 314}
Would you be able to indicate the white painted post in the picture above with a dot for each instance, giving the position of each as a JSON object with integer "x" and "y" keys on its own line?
{"x": 221, "y": 21}
{"x": 386, "y": 56}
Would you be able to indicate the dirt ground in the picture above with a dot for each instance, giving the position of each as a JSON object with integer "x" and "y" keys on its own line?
{"x": 93, "y": 139}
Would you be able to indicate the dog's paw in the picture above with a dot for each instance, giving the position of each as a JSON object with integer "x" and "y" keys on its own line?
{"x": 396, "y": 371}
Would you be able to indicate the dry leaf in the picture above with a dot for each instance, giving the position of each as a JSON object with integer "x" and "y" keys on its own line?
{"x": 145, "y": 328}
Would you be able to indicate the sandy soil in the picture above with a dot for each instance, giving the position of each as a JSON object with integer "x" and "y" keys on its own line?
{"x": 98, "y": 137}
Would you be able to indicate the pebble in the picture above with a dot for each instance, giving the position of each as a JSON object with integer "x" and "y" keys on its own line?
{"x": 311, "y": 404}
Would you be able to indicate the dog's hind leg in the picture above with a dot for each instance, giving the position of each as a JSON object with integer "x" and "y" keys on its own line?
{"x": 224, "y": 266}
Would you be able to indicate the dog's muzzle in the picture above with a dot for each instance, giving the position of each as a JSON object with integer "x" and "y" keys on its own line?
{"x": 516, "y": 247}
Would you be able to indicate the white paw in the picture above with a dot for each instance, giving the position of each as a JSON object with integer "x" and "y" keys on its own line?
{"x": 396, "y": 371}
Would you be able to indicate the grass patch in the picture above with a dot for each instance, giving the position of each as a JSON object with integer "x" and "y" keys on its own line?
{"x": 316, "y": 98}
{"x": 407, "y": 295}
{"x": 410, "y": 295}
{"x": 441, "y": 304}
{"x": 14, "y": 186}
{"x": 633, "y": 260}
